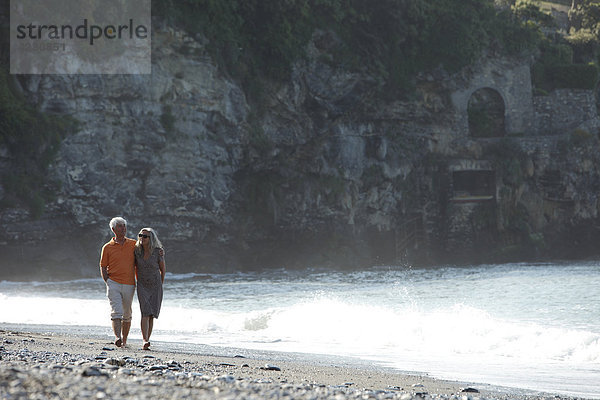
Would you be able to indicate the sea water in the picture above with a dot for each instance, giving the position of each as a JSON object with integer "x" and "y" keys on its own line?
{"x": 530, "y": 326}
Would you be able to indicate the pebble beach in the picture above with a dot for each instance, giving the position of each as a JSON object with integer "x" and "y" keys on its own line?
{"x": 53, "y": 365}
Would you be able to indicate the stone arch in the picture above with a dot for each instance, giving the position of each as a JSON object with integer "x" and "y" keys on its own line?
{"x": 486, "y": 113}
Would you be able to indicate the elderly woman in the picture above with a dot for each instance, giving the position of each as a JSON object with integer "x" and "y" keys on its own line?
{"x": 150, "y": 269}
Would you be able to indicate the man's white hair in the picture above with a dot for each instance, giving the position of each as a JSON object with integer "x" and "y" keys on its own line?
{"x": 115, "y": 221}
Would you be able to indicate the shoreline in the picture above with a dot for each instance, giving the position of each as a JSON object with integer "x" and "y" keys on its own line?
{"x": 69, "y": 365}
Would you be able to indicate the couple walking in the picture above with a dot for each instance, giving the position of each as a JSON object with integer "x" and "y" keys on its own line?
{"x": 122, "y": 260}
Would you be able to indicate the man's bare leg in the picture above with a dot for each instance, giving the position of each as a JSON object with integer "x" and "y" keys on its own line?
{"x": 125, "y": 328}
{"x": 116, "y": 325}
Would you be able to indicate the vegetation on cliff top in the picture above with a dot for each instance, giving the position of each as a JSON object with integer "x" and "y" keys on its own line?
{"x": 392, "y": 39}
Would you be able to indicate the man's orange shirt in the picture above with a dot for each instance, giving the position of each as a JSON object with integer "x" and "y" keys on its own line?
{"x": 119, "y": 261}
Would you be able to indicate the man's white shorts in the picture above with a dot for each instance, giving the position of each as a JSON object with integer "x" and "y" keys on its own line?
{"x": 120, "y": 297}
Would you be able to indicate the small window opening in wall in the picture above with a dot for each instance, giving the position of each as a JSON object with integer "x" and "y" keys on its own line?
{"x": 473, "y": 185}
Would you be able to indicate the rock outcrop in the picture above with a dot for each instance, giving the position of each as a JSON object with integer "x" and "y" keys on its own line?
{"x": 330, "y": 173}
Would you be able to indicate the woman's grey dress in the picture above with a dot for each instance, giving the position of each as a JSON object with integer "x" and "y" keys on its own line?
{"x": 149, "y": 284}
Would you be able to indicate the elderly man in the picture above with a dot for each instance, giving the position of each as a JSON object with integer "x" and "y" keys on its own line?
{"x": 117, "y": 267}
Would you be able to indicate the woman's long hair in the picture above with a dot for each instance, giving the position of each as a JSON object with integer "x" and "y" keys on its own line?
{"x": 154, "y": 242}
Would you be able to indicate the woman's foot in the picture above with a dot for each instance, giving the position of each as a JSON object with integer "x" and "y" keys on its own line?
{"x": 118, "y": 342}
{"x": 146, "y": 346}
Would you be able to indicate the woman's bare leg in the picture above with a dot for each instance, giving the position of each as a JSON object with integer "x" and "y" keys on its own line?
{"x": 150, "y": 326}
{"x": 145, "y": 329}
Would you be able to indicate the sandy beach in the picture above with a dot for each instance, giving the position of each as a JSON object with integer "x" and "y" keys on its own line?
{"x": 68, "y": 366}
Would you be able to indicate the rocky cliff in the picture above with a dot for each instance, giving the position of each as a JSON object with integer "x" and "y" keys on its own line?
{"x": 331, "y": 173}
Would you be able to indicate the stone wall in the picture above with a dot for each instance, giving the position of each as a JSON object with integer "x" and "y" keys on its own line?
{"x": 565, "y": 110}
{"x": 561, "y": 111}
{"x": 512, "y": 80}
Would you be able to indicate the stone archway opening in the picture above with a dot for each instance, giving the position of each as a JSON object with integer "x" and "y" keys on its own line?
{"x": 486, "y": 114}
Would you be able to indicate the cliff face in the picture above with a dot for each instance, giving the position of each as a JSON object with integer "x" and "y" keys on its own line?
{"x": 330, "y": 173}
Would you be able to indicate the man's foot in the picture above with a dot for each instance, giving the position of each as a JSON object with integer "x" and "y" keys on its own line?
{"x": 146, "y": 346}
{"x": 118, "y": 342}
